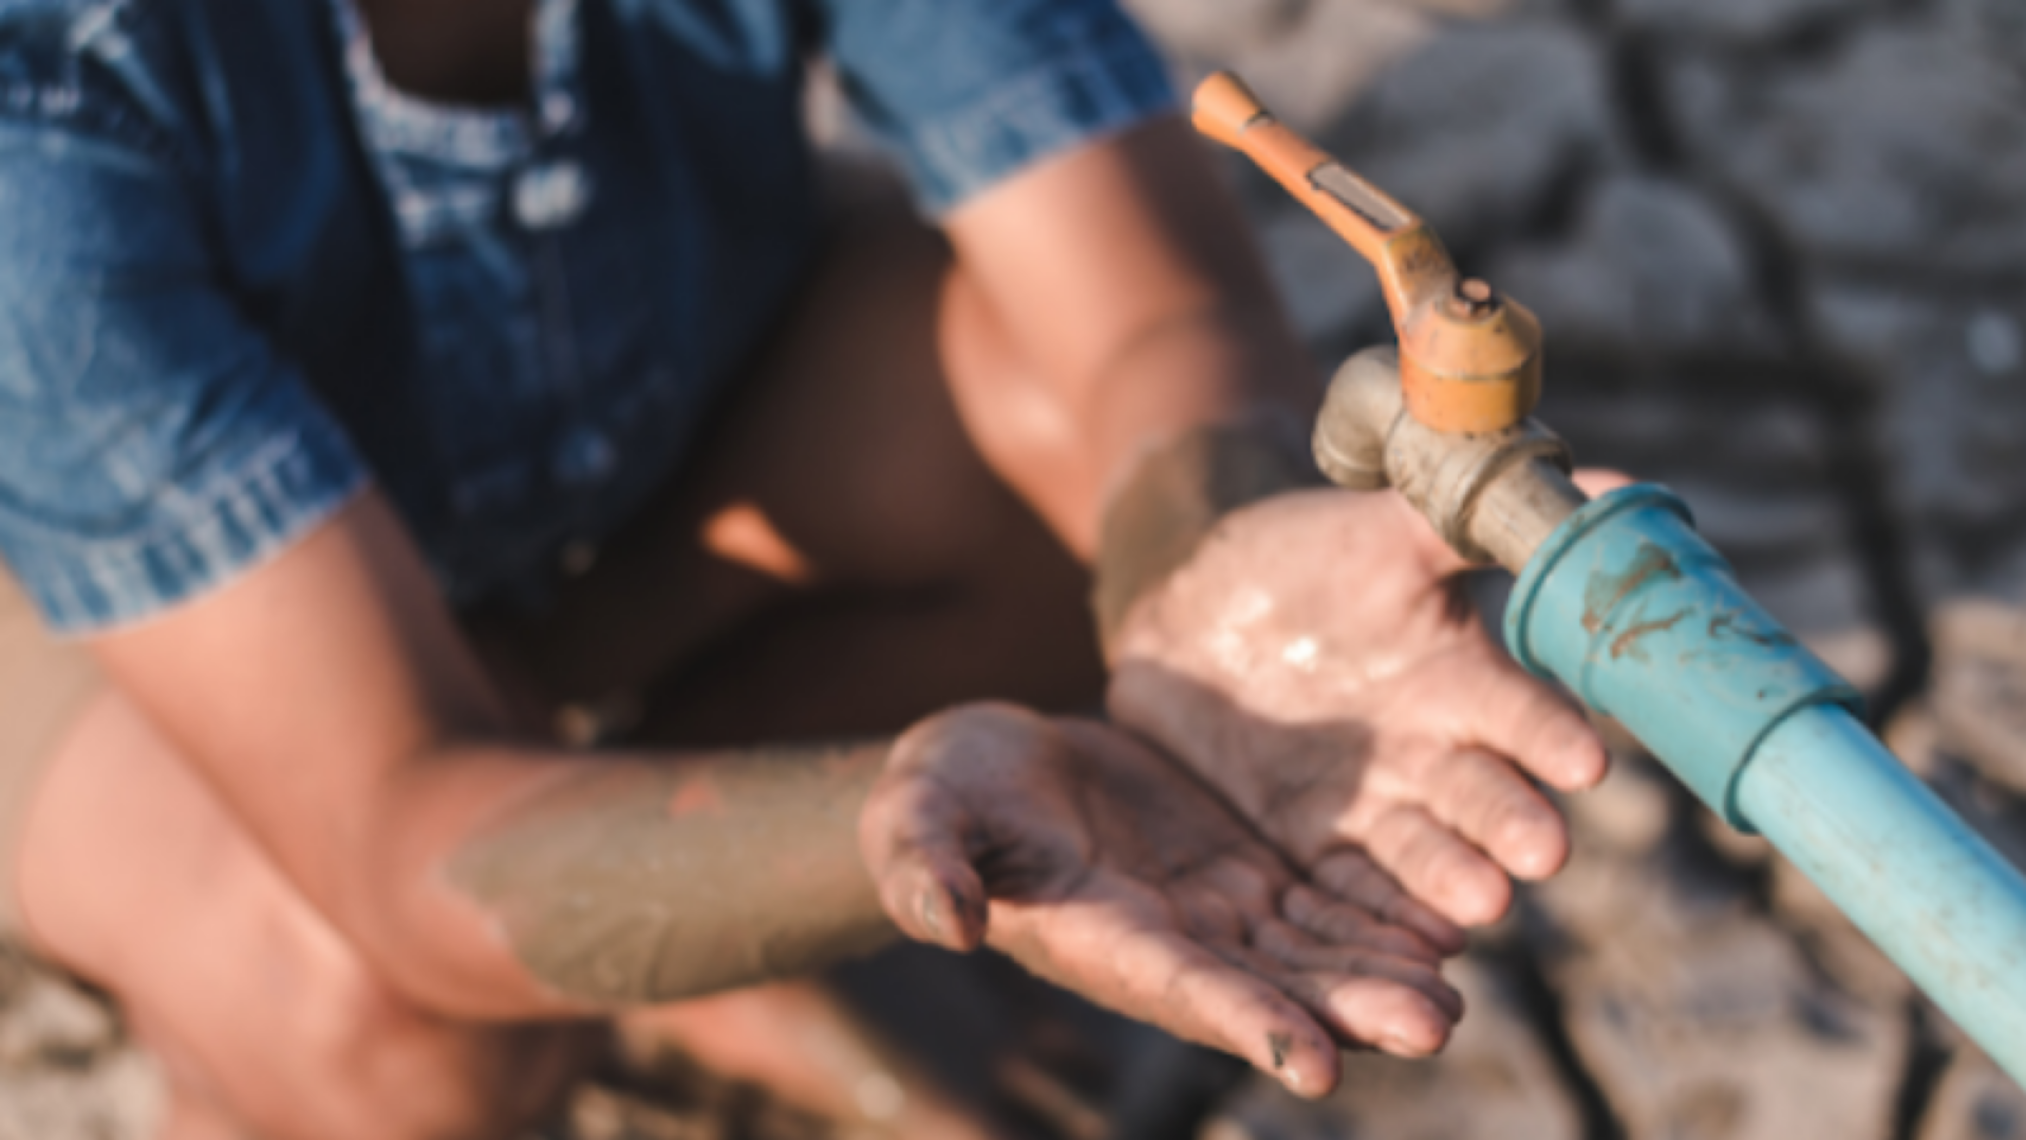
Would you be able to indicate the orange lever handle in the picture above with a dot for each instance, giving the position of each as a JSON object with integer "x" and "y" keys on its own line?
{"x": 1227, "y": 111}
{"x": 1470, "y": 361}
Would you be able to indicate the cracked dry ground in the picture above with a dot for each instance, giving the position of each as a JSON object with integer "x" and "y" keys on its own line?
{"x": 1779, "y": 248}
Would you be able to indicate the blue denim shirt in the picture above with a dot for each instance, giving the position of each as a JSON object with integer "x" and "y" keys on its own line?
{"x": 240, "y": 275}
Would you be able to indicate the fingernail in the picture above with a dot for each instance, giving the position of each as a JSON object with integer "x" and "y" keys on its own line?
{"x": 1400, "y": 1046}
{"x": 925, "y": 908}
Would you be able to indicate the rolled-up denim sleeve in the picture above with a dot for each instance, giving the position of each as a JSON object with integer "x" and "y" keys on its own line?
{"x": 152, "y": 443}
{"x": 971, "y": 91}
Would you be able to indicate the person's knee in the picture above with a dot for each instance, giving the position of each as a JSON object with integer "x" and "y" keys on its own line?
{"x": 258, "y": 1007}
{"x": 423, "y": 1077}
{"x": 364, "y": 1063}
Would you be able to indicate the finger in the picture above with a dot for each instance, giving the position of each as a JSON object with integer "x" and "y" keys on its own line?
{"x": 1208, "y": 913}
{"x": 1384, "y": 1014}
{"x": 1596, "y": 481}
{"x": 1250, "y": 1016}
{"x": 1294, "y": 948}
{"x": 1352, "y": 876}
{"x": 911, "y": 839}
{"x": 1336, "y": 923}
{"x": 1438, "y": 868}
{"x": 938, "y": 901}
{"x": 1164, "y": 978}
{"x": 1363, "y": 1003}
{"x": 1517, "y": 715}
{"x": 1485, "y": 800}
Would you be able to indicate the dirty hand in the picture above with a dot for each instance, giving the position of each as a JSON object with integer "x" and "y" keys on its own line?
{"x": 1315, "y": 660}
{"x": 1102, "y": 866}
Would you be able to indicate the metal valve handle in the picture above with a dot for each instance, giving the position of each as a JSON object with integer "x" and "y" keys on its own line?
{"x": 1470, "y": 360}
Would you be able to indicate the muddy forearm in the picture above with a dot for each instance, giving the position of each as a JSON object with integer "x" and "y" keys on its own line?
{"x": 637, "y": 882}
{"x": 1177, "y": 491}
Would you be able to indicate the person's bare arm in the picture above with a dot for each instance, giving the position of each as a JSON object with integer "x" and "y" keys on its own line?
{"x": 331, "y": 701}
{"x": 1122, "y": 279}
{"x": 333, "y": 704}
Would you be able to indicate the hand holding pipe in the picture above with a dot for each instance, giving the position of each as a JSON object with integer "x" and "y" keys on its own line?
{"x": 1620, "y": 600}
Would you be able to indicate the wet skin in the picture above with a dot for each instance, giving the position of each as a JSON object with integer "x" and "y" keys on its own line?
{"x": 1316, "y": 661}
{"x": 336, "y": 723}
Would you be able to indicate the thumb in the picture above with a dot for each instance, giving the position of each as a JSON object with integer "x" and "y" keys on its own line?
{"x": 911, "y": 841}
{"x": 1515, "y": 714}
{"x": 1597, "y": 481}
{"x": 1420, "y": 538}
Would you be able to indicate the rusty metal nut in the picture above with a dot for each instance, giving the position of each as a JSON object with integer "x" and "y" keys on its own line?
{"x": 1472, "y": 373}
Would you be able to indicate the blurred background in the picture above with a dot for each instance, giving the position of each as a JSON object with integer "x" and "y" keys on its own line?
{"x": 1779, "y": 251}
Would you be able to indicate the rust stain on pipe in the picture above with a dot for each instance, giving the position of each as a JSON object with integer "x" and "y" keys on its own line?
{"x": 1628, "y": 642}
{"x": 1727, "y": 624}
{"x": 1604, "y": 591}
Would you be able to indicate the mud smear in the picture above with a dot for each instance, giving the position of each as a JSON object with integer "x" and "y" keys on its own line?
{"x": 645, "y": 883}
{"x": 1175, "y": 496}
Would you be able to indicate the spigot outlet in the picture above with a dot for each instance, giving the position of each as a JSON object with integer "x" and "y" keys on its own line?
{"x": 1493, "y": 496}
{"x": 1470, "y": 360}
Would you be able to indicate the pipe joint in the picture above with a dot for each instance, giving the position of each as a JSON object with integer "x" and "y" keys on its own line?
{"x": 1627, "y": 605}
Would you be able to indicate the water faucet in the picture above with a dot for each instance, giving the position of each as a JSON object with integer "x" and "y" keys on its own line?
{"x": 1621, "y": 601}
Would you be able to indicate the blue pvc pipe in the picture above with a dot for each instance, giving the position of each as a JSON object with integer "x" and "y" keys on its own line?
{"x": 1929, "y": 891}
{"x": 1630, "y": 608}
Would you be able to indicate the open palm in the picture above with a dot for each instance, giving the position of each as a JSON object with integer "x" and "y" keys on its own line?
{"x": 1315, "y": 661}
{"x": 1101, "y": 865}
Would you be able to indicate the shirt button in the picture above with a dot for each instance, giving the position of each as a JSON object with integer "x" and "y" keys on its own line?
{"x": 551, "y": 195}
{"x": 577, "y": 557}
{"x": 584, "y": 457}
{"x": 558, "y": 109}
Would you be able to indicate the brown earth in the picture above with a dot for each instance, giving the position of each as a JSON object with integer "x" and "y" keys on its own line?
{"x": 1777, "y": 247}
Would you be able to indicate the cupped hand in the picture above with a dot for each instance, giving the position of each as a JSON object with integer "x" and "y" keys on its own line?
{"x": 1104, "y": 867}
{"x": 1317, "y": 661}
